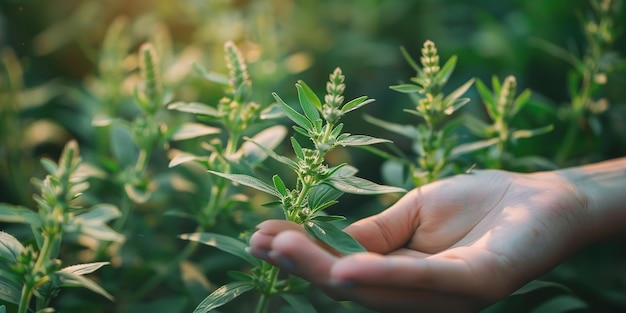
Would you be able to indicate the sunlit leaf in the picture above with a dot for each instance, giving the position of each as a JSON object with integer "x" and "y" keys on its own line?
{"x": 19, "y": 214}
{"x": 527, "y": 133}
{"x": 249, "y": 181}
{"x": 223, "y": 295}
{"x": 408, "y": 131}
{"x": 274, "y": 155}
{"x": 309, "y": 102}
{"x": 355, "y": 104}
{"x": 357, "y": 185}
{"x": 333, "y": 236}
{"x": 83, "y": 269}
{"x": 181, "y": 158}
{"x": 224, "y": 243}
{"x": 472, "y": 146}
{"x": 406, "y": 88}
{"x": 195, "y": 108}
{"x": 9, "y": 291}
{"x": 68, "y": 279}
{"x": 100, "y": 213}
{"x": 328, "y": 218}
{"x": 269, "y": 138}
{"x": 10, "y": 247}
{"x": 293, "y": 115}
{"x": 123, "y": 145}
{"x": 446, "y": 70}
{"x": 360, "y": 140}
{"x": 193, "y": 130}
{"x": 279, "y": 185}
{"x": 322, "y": 194}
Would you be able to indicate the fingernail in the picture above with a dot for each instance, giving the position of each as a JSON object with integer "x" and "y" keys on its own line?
{"x": 342, "y": 283}
{"x": 259, "y": 253}
{"x": 282, "y": 261}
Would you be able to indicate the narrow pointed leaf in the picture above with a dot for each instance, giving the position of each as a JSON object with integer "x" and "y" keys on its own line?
{"x": 181, "y": 158}
{"x": 223, "y": 295}
{"x": 526, "y": 133}
{"x": 10, "y": 247}
{"x": 211, "y": 76}
{"x": 410, "y": 60}
{"x": 355, "y": 104}
{"x": 275, "y": 155}
{"x": 333, "y": 236}
{"x": 68, "y": 279}
{"x": 360, "y": 140}
{"x": 309, "y": 103}
{"x": 269, "y": 138}
{"x": 322, "y": 194}
{"x": 249, "y": 181}
{"x": 9, "y": 291}
{"x": 297, "y": 148}
{"x": 293, "y": 115}
{"x": 100, "y": 213}
{"x": 328, "y": 218}
{"x": 18, "y": 214}
{"x": 195, "y": 108}
{"x": 357, "y": 185}
{"x": 472, "y": 146}
{"x": 193, "y": 130}
{"x": 224, "y": 243}
{"x": 408, "y": 131}
{"x": 49, "y": 165}
{"x": 279, "y": 185}
{"x": 520, "y": 101}
{"x": 457, "y": 93}
{"x": 83, "y": 269}
{"x": 446, "y": 70}
{"x": 310, "y": 95}
{"x": 406, "y": 88}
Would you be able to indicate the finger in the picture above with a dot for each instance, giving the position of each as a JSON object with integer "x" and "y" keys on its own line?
{"x": 261, "y": 240}
{"x": 390, "y": 229}
{"x": 295, "y": 252}
{"x": 449, "y": 273}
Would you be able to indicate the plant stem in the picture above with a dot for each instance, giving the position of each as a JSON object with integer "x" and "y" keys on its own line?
{"x": 265, "y": 296}
{"x": 27, "y": 292}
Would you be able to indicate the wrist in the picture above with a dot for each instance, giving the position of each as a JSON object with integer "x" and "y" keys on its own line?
{"x": 601, "y": 189}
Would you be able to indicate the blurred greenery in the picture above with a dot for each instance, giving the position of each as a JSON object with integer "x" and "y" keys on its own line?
{"x": 51, "y": 88}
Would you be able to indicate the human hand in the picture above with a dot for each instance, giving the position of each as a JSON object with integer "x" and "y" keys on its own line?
{"x": 456, "y": 245}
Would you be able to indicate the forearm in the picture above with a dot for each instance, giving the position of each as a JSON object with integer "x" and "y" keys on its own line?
{"x": 603, "y": 186}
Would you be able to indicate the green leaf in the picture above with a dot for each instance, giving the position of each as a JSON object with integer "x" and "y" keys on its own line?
{"x": 50, "y": 166}
{"x": 195, "y": 108}
{"x": 357, "y": 185}
{"x": 297, "y": 148}
{"x": 488, "y": 100}
{"x": 274, "y": 155}
{"x": 249, "y": 181}
{"x": 309, "y": 103}
{"x": 123, "y": 146}
{"x": 451, "y": 99}
{"x": 3, "y": 309}
{"x": 293, "y": 115}
{"x": 9, "y": 291}
{"x": 406, "y": 88}
{"x": 100, "y": 213}
{"x": 408, "y": 131}
{"x": 19, "y": 214}
{"x": 269, "y": 139}
{"x": 355, "y": 104}
{"x": 446, "y": 70}
{"x": 472, "y": 146}
{"x": 222, "y": 296}
{"x": 527, "y": 133}
{"x": 539, "y": 284}
{"x": 68, "y": 279}
{"x": 310, "y": 95}
{"x": 321, "y": 195}
{"x": 520, "y": 101}
{"x": 181, "y": 158}
{"x": 279, "y": 185}
{"x": 562, "y": 303}
{"x": 299, "y": 303}
{"x": 410, "y": 60}
{"x": 211, "y": 76}
{"x": 10, "y": 247}
{"x": 224, "y": 243}
{"x": 360, "y": 140}
{"x": 83, "y": 269}
{"x": 333, "y": 236}
{"x": 328, "y": 218}
{"x": 193, "y": 130}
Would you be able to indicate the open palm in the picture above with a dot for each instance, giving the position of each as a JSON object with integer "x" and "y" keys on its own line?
{"x": 456, "y": 245}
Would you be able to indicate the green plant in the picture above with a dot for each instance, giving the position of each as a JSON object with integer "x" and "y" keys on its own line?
{"x": 433, "y": 141}
{"x": 502, "y": 105}
{"x": 34, "y": 270}
{"x": 317, "y": 187}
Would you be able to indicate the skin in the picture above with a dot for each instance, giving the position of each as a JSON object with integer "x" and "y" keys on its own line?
{"x": 459, "y": 244}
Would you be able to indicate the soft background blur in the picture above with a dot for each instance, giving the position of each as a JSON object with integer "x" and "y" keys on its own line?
{"x": 57, "y": 43}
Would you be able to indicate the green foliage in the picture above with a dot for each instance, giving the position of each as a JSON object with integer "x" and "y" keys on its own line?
{"x": 158, "y": 93}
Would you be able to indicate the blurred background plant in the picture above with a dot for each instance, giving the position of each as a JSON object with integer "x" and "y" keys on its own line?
{"x": 68, "y": 66}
